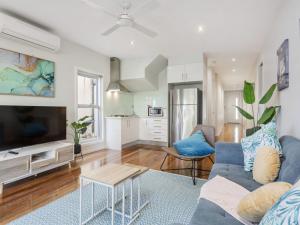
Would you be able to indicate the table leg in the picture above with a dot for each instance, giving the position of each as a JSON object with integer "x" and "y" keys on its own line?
{"x": 123, "y": 204}
{"x": 107, "y": 197}
{"x": 131, "y": 197}
{"x": 80, "y": 200}
{"x": 113, "y": 206}
{"x": 139, "y": 192}
{"x": 117, "y": 193}
{"x": 93, "y": 197}
{"x": 1, "y": 189}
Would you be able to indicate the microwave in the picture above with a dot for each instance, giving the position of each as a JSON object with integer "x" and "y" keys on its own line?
{"x": 155, "y": 111}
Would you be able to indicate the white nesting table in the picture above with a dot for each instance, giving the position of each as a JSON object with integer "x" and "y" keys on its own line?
{"x": 110, "y": 176}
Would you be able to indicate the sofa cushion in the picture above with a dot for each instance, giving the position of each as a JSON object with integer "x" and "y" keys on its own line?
{"x": 236, "y": 174}
{"x": 285, "y": 211}
{"x": 255, "y": 204}
{"x": 208, "y": 213}
{"x": 266, "y": 165}
{"x": 290, "y": 165}
{"x": 266, "y": 136}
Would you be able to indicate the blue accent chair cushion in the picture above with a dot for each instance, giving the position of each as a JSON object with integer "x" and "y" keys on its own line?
{"x": 195, "y": 145}
{"x": 266, "y": 136}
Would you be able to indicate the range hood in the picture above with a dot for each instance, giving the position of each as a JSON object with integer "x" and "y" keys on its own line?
{"x": 142, "y": 74}
{"x": 115, "y": 73}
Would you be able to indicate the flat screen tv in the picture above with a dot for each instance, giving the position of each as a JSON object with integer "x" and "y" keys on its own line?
{"x": 22, "y": 126}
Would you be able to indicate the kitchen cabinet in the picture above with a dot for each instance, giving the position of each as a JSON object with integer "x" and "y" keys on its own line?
{"x": 121, "y": 131}
{"x": 129, "y": 130}
{"x": 185, "y": 73}
{"x": 153, "y": 129}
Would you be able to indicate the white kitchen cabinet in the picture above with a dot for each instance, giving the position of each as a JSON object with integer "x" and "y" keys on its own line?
{"x": 121, "y": 131}
{"x": 194, "y": 72}
{"x": 175, "y": 73}
{"x": 144, "y": 132}
{"x": 185, "y": 73}
{"x": 153, "y": 129}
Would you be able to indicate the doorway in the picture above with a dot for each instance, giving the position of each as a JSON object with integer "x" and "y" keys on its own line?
{"x": 232, "y": 99}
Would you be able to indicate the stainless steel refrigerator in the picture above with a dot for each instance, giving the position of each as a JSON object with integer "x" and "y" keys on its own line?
{"x": 185, "y": 112}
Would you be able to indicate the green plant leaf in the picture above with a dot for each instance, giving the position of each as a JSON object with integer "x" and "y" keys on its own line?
{"x": 268, "y": 94}
{"x": 245, "y": 113}
{"x": 83, "y": 118}
{"x": 268, "y": 115}
{"x": 248, "y": 93}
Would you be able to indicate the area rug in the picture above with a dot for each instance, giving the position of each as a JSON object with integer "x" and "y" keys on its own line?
{"x": 173, "y": 199}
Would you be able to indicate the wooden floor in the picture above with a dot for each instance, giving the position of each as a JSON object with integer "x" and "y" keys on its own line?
{"x": 24, "y": 196}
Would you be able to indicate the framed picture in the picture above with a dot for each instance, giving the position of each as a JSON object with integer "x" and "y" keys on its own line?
{"x": 27, "y": 75}
{"x": 283, "y": 66}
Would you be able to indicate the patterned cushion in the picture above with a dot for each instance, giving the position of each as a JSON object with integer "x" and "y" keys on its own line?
{"x": 266, "y": 136}
{"x": 286, "y": 211}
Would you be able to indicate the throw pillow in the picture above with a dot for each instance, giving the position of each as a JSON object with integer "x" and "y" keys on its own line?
{"x": 266, "y": 165}
{"x": 255, "y": 204}
{"x": 195, "y": 145}
{"x": 266, "y": 136}
{"x": 286, "y": 211}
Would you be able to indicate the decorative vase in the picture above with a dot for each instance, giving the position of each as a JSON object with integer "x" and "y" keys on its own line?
{"x": 77, "y": 149}
{"x": 251, "y": 131}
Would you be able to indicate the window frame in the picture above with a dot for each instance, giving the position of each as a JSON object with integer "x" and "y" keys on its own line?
{"x": 100, "y": 92}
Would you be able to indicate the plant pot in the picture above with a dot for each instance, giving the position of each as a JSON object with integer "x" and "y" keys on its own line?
{"x": 77, "y": 149}
{"x": 251, "y": 131}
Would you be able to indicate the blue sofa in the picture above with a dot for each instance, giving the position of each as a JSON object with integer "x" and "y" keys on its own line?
{"x": 229, "y": 164}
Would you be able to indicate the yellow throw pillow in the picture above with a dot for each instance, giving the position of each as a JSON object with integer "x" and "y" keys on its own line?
{"x": 266, "y": 165}
{"x": 255, "y": 204}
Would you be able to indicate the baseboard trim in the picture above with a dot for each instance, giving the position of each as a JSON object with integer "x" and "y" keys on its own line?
{"x": 144, "y": 142}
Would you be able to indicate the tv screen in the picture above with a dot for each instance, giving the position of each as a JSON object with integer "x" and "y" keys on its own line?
{"x": 22, "y": 126}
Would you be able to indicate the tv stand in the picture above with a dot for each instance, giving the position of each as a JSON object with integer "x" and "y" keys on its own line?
{"x": 33, "y": 160}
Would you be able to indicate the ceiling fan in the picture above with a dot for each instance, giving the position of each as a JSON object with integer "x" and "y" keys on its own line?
{"x": 123, "y": 19}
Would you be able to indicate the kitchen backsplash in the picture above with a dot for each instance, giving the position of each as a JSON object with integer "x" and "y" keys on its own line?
{"x": 118, "y": 103}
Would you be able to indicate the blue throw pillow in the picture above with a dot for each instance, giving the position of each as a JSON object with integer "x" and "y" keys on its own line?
{"x": 286, "y": 211}
{"x": 266, "y": 136}
{"x": 195, "y": 145}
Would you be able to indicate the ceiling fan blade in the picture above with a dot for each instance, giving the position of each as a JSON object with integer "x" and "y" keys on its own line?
{"x": 110, "y": 30}
{"x": 94, "y": 5}
{"x": 144, "y": 30}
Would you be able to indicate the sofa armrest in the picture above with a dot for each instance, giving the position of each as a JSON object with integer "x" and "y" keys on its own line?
{"x": 229, "y": 153}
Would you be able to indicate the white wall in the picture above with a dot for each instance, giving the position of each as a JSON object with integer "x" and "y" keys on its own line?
{"x": 285, "y": 25}
{"x": 70, "y": 56}
{"x": 214, "y": 100}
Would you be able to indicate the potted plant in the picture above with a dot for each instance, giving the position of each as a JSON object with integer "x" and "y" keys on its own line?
{"x": 249, "y": 98}
{"x": 79, "y": 128}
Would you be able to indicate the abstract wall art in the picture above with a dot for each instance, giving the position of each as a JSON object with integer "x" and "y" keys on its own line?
{"x": 283, "y": 66}
{"x": 27, "y": 75}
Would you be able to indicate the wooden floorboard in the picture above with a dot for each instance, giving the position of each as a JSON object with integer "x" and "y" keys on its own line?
{"x": 22, "y": 197}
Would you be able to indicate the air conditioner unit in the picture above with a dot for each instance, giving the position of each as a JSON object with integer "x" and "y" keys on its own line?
{"x": 11, "y": 27}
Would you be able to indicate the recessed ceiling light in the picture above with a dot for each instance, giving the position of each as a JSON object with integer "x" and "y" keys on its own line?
{"x": 132, "y": 42}
{"x": 200, "y": 28}
{"x": 233, "y": 59}
{"x": 234, "y": 70}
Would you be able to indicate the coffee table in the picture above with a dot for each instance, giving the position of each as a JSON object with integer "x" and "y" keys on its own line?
{"x": 110, "y": 176}
{"x": 133, "y": 215}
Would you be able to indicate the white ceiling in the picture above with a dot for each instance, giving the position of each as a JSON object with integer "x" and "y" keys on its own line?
{"x": 232, "y": 28}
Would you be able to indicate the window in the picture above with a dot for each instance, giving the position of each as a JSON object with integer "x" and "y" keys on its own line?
{"x": 89, "y": 99}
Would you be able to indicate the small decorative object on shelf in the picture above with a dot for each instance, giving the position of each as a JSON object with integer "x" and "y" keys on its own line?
{"x": 79, "y": 128}
{"x": 249, "y": 98}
